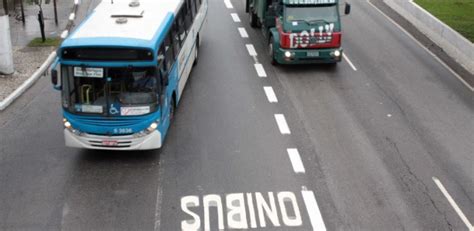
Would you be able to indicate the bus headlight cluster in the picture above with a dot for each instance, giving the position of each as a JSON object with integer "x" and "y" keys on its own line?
{"x": 153, "y": 126}
{"x": 69, "y": 127}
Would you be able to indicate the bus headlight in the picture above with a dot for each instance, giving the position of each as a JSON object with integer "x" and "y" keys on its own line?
{"x": 287, "y": 54}
{"x": 152, "y": 127}
{"x": 337, "y": 53}
{"x": 67, "y": 124}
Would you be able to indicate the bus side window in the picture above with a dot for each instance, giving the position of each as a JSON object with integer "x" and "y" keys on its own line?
{"x": 192, "y": 5}
{"x": 169, "y": 55}
{"x": 176, "y": 41}
{"x": 198, "y": 4}
{"x": 187, "y": 13}
{"x": 181, "y": 25}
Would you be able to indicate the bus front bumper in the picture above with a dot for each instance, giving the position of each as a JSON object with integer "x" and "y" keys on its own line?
{"x": 128, "y": 142}
{"x": 308, "y": 56}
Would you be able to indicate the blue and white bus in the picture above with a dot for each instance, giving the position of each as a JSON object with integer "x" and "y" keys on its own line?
{"x": 122, "y": 72}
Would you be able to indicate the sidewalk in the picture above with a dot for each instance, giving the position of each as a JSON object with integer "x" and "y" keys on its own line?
{"x": 28, "y": 59}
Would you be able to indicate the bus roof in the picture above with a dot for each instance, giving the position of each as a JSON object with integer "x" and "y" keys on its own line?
{"x": 118, "y": 24}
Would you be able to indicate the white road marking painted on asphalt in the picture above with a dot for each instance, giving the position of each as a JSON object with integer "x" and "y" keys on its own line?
{"x": 186, "y": 203}
{"x": 349, "y": 61}
{"x": 235, "y": 207}
{"x": 270, "y": 210}
{"x": 213, "y": 200}
{"x": 312, "y": 208}
{"x": 251, "y": 50}
{"x": 64, "y": 34}
{"x": 270, "y": 94}
{"x": 282, "y": 125}
{"x": 236, "y": 216}
{"x": 422, "y": 46}
{"x": 289, "y": 197}
{"x": 243, "y": 32}
{"x": 453, "y": 203}
{"x": 295, "y": 159}
{"x": 260, "y": 71}
{"x": 228, "y": 4}
{"x": 253, "y": 219}
{"x": 72, "y": 16}
{"x": 159, "y": 193}
{"x": 235, "y": 17}
{"x": 76, "y": 2}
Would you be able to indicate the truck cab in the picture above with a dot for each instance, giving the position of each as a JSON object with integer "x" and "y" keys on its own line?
{"x": 299, "y": 31}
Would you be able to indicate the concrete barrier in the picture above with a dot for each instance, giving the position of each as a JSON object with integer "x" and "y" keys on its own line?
{"x": 6, "y": 52}
{"x": 455, "y": 45}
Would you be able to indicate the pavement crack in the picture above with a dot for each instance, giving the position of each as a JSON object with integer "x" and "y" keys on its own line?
{"x": 425, "y": 189}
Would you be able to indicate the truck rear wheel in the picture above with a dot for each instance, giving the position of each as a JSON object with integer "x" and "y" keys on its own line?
{"x": 253, "y": 19}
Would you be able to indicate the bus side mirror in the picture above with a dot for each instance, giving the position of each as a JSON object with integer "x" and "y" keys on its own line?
{"x": 56, "y": 75}
{"x": 347, "y": 9}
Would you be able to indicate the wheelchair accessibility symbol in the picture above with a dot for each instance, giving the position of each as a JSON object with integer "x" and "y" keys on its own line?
{"x": 113, "y": 110}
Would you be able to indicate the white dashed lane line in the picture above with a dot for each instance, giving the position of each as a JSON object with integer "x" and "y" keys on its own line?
{"x": 295, "y": 159}
{"x": 251, "y": 50}
{"x": 349, "y": 61}
{"x": 270, "y": 94}
{"x": 260, "y": 71}
{"x": 243, "y": 32}
{"x": 282, "y": 125}
{"x": 228, "y": 4}
{"x": 72, "y": 16}
{"x": 312, "y": 208}
{"x": 453, "y": 204}
{"x": 235, "y": 17}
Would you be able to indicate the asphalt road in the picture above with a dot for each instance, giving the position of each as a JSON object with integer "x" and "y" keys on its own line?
{"x": 371, "y": 137}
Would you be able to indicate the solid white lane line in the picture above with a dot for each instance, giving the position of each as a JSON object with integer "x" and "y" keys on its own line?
{"x": 72, "y": 16}
{"x": 260, "y": 71}
{"x": 243, "y": 32}
{"x": 228, "y": 4}
{"x": 282, "y": 125}
{"x": 313, "y": 210}
{"x": 251, "y": 50}
{"x": 295, "y": 159}
{"x": 423, "y": 46}
{"x": 453, "y": 203}
{"x": 349, "y": 61}
{"x": 270, "y": 94}
{"x": 235, "y": 17}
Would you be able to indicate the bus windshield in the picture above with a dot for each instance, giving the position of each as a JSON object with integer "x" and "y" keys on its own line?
{"x": 110, "y": 91}
{"x": 311, "y": 15}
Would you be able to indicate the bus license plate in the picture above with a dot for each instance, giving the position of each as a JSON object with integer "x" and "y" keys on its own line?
{"x": 312, "y": 53}
{"x": 110, "y": 143}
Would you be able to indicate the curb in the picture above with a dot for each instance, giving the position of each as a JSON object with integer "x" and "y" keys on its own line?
{"x": 455, "y": 45}
{"x": 27, "y": 84}
{"x": 43, "y": 68}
